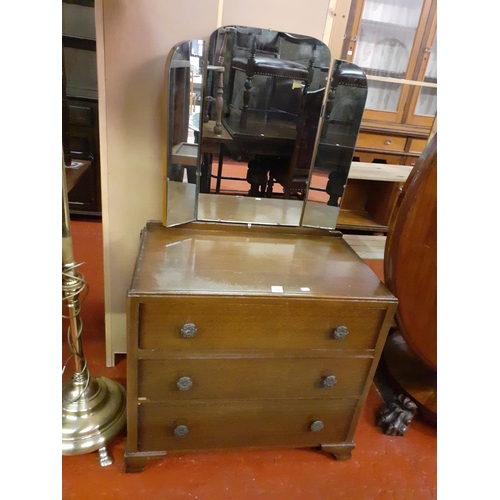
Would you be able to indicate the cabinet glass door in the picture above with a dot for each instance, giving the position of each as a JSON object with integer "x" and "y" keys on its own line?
{"x": 384, "y": 47}
{"x": 423, "y": 105}
{"x": 427, "y": 100}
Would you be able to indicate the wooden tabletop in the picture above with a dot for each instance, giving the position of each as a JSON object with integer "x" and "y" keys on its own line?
{"x": 201, "y": 258}
{"x": 75, "y": 172}
{"x": 210, "y": 136}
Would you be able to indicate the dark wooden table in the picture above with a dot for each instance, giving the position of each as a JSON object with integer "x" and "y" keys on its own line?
{"x": 75, "y": 172}
{"x": 264, "y": 133}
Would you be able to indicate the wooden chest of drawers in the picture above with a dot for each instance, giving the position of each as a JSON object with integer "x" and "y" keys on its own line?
{"x": 249, "y": 337}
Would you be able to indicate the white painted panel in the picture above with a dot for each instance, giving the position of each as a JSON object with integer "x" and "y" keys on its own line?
{"x": 133, "y": 40}
{"x": 295, "y": 16}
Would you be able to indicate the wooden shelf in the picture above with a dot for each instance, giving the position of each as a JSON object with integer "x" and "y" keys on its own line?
{"x": 379, "y": 172}
{"x": 358, "y": 221}
{"x": 393, "y": 138}
{"x": 370, "y": 196}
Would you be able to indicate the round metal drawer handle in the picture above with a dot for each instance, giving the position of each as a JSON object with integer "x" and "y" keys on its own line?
{"x": 180, "y": 431}
{"x": 340, "y": 332}
{"x": 188, "y": 330}
{"x": 388, "y": 142}
{"x": 329, "y": 381}
{"x": 184, "y": 384}
{"x": 317, "y": 425}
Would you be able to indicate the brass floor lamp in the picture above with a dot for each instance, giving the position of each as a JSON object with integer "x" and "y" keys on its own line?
{"x": 93, "y": 408}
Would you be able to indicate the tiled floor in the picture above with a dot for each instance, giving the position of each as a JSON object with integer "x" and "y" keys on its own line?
{"x": 381, "y": 468}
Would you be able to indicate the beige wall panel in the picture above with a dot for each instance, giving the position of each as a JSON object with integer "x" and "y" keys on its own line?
{"x": 133, "y": 39}
{"x": 296, "y": 16}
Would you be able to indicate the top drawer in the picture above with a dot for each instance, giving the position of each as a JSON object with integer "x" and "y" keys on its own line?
{"x": 255, "y": 323}
{"x": 379, "y": 141}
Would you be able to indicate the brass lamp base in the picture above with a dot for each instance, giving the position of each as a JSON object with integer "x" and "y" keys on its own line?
{"x": 90, "y": 419}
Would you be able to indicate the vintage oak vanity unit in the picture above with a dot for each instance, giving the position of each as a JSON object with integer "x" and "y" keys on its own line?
{"x": 251, "y": 322}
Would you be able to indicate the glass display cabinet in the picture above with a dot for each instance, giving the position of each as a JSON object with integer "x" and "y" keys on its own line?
{"x": 80, "y": 107}
{"x": 396, "y": 40}
{"x": 395, "y": 43}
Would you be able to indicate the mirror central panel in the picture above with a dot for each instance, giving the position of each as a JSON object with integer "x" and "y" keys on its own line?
{"x": 262, "y": 104}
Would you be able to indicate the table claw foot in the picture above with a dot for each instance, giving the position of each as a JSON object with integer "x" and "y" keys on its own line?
{"x": 396, "y": 418}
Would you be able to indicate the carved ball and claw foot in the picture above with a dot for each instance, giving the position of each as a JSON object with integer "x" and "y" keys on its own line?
{"x": 396, "y": 418}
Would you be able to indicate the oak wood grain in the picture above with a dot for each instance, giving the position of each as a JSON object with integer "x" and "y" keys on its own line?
{"x": 252, "y": 378}
{"x": 258, "y": 357}
{"x": 227, "y": 322}
{"x": 240, "y": 423}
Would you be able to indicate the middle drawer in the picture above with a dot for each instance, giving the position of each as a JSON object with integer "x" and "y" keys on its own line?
{"x": 251, "y": 378}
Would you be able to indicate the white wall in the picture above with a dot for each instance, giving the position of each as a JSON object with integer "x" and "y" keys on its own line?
{"x": 133, "y": 40}
{"x": 294, "y": 16}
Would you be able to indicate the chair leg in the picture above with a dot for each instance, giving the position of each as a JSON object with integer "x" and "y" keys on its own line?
{"x": 230, "y": 85}
{"x": 246, "y": 93}
{"x": 270, "y": 184}
{"x": 246, "y": 101}
{"x": 219, "y": 171}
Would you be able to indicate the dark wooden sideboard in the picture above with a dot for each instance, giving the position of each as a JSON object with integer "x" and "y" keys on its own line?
{"x": 83, "y": 131}
{"x": 249, "y": 337}
{"x": 80, "y": 117}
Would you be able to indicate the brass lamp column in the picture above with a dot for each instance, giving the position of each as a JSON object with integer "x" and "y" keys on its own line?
{"x": 93, "y": 409}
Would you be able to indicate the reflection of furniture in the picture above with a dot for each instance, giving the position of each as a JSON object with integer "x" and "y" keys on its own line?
{"x": 83, "y": 132}
{"x": 212, "y": 207}
{"x": 269, "y": 135}
{"x": 80, "y": 106}
{"x": 295, "y": 176}
{"x": 370, "y": 196}
{"x": 410, "y": 268}
{"x": 258, "y": 52}
{"x": 268, "y": 119}
{"x": 192, "y": 94}
{"x": 261, "y": 337}
{"x": 212, "y": 143}
{"x": 402, "y": 86}
{"x": 278, "y": 147}
{"x": 74, "y": 172}
{"x": 179, "y": 106}
{"x": 182, "y": 153}
{"x": 185, "y": 153}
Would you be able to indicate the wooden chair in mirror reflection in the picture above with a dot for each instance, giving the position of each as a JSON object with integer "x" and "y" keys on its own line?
{"x": 273, "y": 55}
{"x": 268, "y": 75}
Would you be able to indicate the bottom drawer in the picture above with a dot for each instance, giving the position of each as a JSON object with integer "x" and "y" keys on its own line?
{"x": 206, "y": 425}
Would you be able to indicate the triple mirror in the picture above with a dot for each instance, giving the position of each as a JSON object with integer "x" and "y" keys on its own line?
{"x": 261, "y": 128}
